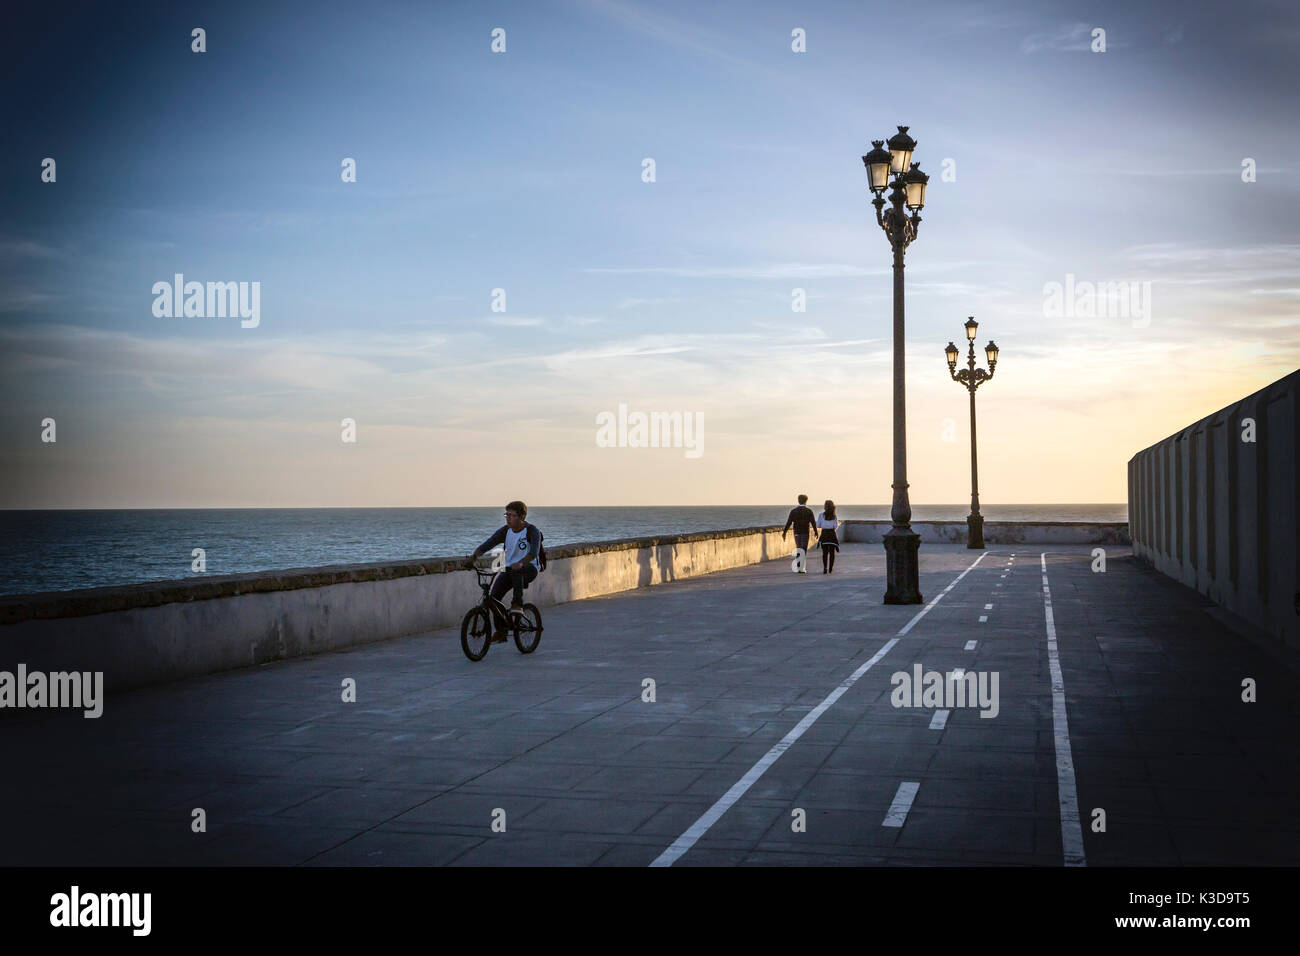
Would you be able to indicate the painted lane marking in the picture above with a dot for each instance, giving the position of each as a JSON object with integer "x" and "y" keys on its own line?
{"x": 938, "y": 720}
{"x": 988, "y": 607}
{"x": 725, "y": 802}
{"x": 1071, "y": 826}
{"x": 711, "y": 816}
{"x": 926, "y": 610}
{"x": 902, "y": 803}
{"x": 970, "y": 645}
{"x": 984, "y": 618}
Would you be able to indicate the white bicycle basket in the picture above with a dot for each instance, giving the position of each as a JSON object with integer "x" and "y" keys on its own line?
{"x": 494, "y": 560}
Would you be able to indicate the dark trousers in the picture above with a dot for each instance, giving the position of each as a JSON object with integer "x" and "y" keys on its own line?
{"x": 513, "y": 580}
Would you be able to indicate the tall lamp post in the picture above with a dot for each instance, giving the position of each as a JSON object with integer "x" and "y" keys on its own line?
{"x": 973, "y": 378}
{"x": 907, "y": 187}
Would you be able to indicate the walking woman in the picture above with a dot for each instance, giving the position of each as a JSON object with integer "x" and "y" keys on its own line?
{"x": 830, "y": 541}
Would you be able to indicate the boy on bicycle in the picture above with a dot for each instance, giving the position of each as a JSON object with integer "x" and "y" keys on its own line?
{"x": 523, "y": 545}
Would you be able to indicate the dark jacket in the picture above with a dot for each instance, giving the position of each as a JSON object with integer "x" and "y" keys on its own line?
{"x": 802, "y": 518}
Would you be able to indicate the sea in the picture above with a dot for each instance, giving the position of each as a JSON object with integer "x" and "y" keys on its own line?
{"x": 66, "y": 550}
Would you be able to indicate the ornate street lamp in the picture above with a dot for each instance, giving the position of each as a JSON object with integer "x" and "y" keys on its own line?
{"x": 973, "y": 378}
{"x": 907, "y": 188}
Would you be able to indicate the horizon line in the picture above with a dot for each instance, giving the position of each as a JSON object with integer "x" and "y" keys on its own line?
{"x": 765, "y": 504}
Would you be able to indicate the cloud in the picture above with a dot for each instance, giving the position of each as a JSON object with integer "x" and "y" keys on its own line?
{"x": 1074, "y": 38}
{"x": 516, "y": 321}
{"x": 12, "y": 300}
{"x": 789, "y": 270}
{"x": 667, "y": 29}
{"x": 13, "y": 247}
{"x": 1225, "y": 266}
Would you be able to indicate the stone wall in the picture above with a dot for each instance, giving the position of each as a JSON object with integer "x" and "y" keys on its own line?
{"x": 997, "y": 533}
{"x": 148, "y": 633}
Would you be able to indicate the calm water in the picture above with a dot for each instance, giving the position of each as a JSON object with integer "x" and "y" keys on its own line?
{"x": 62, "y": 550}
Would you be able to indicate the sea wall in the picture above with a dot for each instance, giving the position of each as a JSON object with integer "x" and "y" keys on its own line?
{"x": 149, "y": 633}
{"x": 1215, "y": 505}
{"x": 997, "y": 533}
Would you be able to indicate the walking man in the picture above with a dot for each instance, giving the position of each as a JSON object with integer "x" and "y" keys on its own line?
{"x": 802, "y": 518}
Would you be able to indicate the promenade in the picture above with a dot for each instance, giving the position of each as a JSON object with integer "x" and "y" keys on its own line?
{"x": 772, "y": 695}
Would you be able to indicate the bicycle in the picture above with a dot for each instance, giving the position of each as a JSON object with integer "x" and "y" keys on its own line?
{"x": 477, "y": 627}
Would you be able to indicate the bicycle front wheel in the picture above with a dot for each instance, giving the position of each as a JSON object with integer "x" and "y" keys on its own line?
{"x": 476, "y": 633}
{"x": 528, "y": 629}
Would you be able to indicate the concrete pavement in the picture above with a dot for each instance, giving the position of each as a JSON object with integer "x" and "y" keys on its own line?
{"x": 561, "y": 748}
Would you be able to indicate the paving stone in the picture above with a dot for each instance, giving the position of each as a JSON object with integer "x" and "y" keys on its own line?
{"x": 588, "y": 773}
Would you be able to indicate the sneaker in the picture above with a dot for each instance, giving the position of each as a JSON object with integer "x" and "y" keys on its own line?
{"x": 516, "y": 607}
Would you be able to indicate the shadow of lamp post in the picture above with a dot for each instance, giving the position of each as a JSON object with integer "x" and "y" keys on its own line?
{"x": 907, "y": 187}
{"x": 973, "y": 378}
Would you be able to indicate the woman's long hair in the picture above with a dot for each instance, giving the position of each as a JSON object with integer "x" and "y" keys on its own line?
{"x": 830, "y": 510}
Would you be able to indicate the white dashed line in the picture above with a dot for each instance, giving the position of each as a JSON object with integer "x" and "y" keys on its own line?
{"x": 711, "y": 816}
{"x": 938, "y": 720}
{"x": 988, "y": 607}
{"x": 958, "y": 673}
{"x": 902, "y": 803}
{"x": 1071, "y": 827}
{"x": 984, "y": 618}
{"x": 926, "y": 610}
{"x": 970, "y": 645}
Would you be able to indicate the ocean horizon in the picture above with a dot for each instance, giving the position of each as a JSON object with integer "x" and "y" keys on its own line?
{"x": 70, "y": 549}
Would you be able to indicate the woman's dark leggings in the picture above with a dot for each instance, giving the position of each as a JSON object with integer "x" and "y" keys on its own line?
{"x": 828, "y": 559}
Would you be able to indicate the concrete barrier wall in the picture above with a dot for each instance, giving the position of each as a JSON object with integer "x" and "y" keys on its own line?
{"x": 144, "y": 634}
{"x": 998, "y": 532}
{"x": 150, "y": 633}
{"x": 1218, "y": 512}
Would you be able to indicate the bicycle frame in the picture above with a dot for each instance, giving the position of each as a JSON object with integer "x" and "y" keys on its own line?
{"x": 492, "y": 604}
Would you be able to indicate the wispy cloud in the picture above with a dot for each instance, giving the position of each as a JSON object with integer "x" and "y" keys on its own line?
{"x": 633, "y": 302}
{"x": 667, "y": 29}
{"x": 1227, "y": 266}
{"x": 789, "y": 270}
{"x": 13, "y": 247}
{"x": 516, "y": 321}
{"x": 1072, "y": 38}
{"x": 15, "y": 300}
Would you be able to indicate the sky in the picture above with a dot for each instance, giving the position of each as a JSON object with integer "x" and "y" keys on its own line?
{"x": 524, "y": 171}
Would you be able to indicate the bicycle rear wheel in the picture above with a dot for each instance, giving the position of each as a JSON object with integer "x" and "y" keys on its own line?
{"x": 476, "y": 633}
{"x": 528, "y": 629}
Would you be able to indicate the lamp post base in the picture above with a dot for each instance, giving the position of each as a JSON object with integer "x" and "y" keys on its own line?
{"x": 975, "y": 531}
{"x": 903, "y": 585}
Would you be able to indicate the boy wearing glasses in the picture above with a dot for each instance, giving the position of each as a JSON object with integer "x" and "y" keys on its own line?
{"x": 523, "y": 545}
